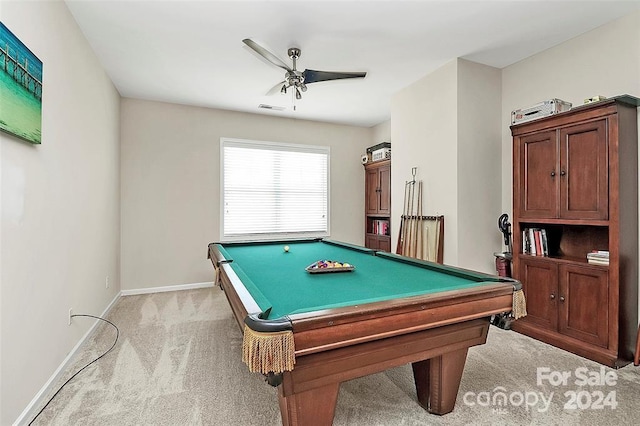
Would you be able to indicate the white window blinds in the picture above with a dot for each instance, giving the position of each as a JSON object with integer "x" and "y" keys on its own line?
{"x": 274, "y": 190}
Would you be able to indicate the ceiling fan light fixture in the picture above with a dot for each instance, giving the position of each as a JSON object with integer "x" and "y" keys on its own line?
{"x": 284, "y": 89}
{"x": 298, "y": 94}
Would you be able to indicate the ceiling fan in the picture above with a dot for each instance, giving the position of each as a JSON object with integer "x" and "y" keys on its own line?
{"x": 293, "y": 78}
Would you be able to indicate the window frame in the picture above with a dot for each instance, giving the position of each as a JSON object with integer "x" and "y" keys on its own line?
{"x": 282, "y": 146}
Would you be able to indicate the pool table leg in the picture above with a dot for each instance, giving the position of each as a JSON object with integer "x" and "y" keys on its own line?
{"x": 313, "y": 407}
{"x": 438, "y": 379}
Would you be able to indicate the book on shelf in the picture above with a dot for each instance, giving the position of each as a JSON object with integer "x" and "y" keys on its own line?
{"x": 598, "y": 254}
{"x": 380, "y": 227}
{"x": 598, "y": 257}
{"x": 534, "y": 242}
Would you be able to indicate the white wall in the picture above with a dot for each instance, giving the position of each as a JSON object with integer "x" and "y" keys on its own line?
{"x": 170, "y": 157}
{"x": 60, "y": 206}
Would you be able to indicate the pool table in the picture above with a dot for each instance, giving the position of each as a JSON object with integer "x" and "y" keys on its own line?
{"x": 335, "y": 326}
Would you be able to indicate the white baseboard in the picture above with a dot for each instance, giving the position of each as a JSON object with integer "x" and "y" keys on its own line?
{"x": 29, "y": 411}
{"x": 166, "y": 288}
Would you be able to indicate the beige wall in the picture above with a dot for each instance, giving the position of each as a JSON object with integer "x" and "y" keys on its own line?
{"x": 479, "y": 169}
{"x": 424, "y": 135}
{"x": 381, "y": 133}
{"x": 170, "y": 157}
{"x": 60, "y": 226}
{"x": 447, "y": 125}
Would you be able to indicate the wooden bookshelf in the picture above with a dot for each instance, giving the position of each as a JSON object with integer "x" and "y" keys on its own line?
{"x": 575, "y": 175}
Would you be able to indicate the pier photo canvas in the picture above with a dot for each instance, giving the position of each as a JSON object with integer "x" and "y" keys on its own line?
{"x": 20, "y": 88}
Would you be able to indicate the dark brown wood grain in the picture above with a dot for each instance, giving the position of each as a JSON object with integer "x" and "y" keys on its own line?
{"x": 377, "y": 202}
{"x": 590, "y": 203}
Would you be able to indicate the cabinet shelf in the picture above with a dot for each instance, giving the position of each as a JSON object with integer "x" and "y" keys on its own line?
{"x": 562, "y": 259}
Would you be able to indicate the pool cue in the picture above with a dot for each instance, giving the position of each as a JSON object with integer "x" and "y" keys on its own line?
{"x": 399, "y": 246}
{"x": 407, "y": 232}
{"x": 413, "y": 221}
{"x": 414, "y": 241}
{"x": 421, "y": 224}
{"x": 419, "y": 242}
{"x": 412, "y": 227}
{"x": 406, "y": 212}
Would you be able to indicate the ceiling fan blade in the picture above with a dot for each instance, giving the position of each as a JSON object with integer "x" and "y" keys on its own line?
{"x": 313, "y": 76}
{"x": 276, "y": 89}
{"x": 266, "y": 54}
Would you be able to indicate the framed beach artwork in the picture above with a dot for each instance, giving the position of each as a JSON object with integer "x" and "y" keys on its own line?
{"x": 20, "y": 89}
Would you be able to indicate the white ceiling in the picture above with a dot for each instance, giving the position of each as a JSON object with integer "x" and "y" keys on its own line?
{"x": 191, "y": 52}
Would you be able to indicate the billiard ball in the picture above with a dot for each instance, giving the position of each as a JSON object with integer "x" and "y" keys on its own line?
{"x": 286, "y": 249}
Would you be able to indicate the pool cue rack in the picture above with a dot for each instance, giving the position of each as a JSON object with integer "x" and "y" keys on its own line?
{"x": 420, "y": 236}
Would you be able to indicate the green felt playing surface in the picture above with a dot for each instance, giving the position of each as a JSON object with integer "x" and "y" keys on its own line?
{"x": 278, "y": 279}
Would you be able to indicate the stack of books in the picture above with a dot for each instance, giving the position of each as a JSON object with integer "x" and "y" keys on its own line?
{"x": 598, "y": 257}
{"x": 380, "y": 227}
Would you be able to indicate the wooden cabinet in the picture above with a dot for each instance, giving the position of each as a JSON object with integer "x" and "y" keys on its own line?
{"x": 378, "y": 188}
{"x": 567, "y": 298}
{"x": 378, "y": 205}
{"x": 575, "y": 176}
{"x": 564, "y": 173}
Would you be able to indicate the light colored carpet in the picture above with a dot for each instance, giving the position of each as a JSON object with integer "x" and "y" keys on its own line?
{"x": 178, "y": 363}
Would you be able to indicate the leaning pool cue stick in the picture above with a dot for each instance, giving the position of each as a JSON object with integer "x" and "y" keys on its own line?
{"x": 402, "y": 225}
{"x": 412, "y": 235}
{"x": 407, "y": 224}
{"x": 420, "y": 219}
{"x": 407, "y": 241}
{"x": 419, "y": 223}
{"x": 422, "y": 223}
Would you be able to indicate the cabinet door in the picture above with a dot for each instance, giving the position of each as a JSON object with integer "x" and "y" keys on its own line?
{"x": 584, "y": 171}
{"x": 371, "y": 190}
{"x": 384, "y": 173}
{"x": 371, "y": 241}
{"x": 584, "y": 303}
{"x": 384, "y": 243}
{"x": 539, "y": 178}
{"x": 540, "y": 284}
{"x": 378, "y": 242}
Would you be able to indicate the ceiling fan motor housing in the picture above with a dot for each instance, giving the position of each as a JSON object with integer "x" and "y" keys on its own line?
{"x": 294, "y": 52}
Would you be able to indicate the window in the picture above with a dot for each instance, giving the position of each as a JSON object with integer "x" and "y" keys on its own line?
{"x": 273, "y": 190}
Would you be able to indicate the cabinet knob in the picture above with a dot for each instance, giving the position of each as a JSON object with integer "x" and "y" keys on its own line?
{"x": 562, "y": 173}
{"x": 553, "y": 296}
{"x": 553, "y": 174}
{"x": 562, "y": 298}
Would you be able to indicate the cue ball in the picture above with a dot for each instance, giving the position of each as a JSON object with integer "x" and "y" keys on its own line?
{"x": 286, "y": 248}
